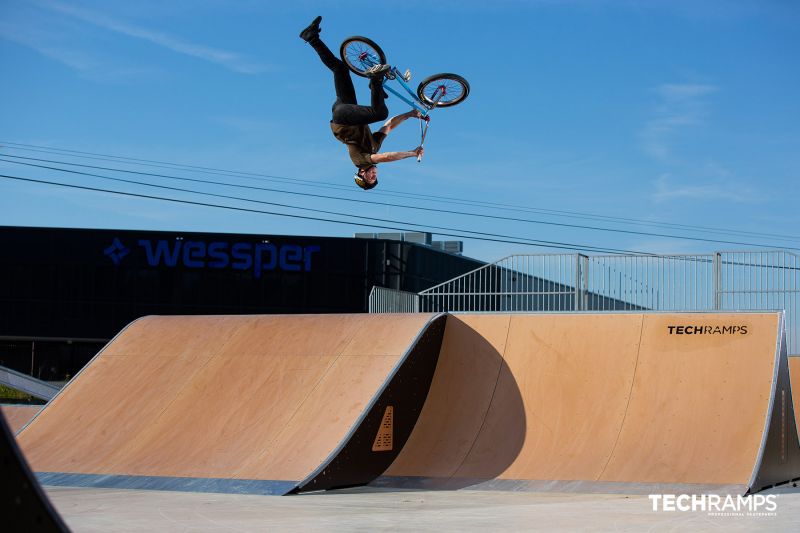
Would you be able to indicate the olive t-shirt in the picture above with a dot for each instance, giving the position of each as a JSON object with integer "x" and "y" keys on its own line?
{"x": 360, "y": 141}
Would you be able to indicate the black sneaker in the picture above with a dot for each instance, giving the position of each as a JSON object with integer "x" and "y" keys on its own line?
{"x": 312, "y": 30}
{"x": 378, "y": 71}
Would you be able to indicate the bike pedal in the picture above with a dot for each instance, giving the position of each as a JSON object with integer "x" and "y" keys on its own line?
{"x": 407, "y": 75}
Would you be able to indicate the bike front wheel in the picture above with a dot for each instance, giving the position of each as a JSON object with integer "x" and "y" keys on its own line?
{"x": 360, "y": 53}
{"x": 443, "y": 90}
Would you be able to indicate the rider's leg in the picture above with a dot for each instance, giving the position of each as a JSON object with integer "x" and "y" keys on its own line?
{"x": 353, "y": 115}
{"x": 345, "y": 92}
{"x": 345, "y": 109}
{"x": 312, "y": 30}
{"x": 378, "y": 98}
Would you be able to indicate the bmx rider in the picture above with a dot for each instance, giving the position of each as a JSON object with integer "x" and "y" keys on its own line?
{"x": 350, "y": 121}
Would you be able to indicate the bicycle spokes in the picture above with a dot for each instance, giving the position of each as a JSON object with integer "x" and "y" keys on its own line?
{"x": 363, "y": 56}
{"x": 443, "y": 92}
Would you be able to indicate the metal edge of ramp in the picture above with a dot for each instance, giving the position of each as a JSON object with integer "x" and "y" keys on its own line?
{"x": 363, "y": 455}
{"x": 779, "y": 455}
{"x": 794, "y": 379}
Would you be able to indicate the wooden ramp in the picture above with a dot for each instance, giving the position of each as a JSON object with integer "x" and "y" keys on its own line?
{"x": 19, "y": 415}
{"x": 243, "y": 404}
{"x": 606, "y": 402}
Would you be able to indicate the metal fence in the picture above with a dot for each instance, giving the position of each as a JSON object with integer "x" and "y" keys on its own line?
{"x": 722, "y": 281}
{"x": 383, "y": 300}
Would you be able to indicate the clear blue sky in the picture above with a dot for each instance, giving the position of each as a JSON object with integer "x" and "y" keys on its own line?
{"x": 664, "y": 112}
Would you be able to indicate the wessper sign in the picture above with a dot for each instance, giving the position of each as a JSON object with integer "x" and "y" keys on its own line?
{"x": 258, "y": 257}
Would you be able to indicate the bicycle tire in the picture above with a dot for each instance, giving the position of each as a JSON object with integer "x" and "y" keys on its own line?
{"x": 360, "y": 53}
{"x": 453, "y": 84}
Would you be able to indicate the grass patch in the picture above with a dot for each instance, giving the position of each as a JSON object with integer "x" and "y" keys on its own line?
{"x": 9, "y": 394}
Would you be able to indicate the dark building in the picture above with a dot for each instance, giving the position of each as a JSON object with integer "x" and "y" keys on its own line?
{"x": 65, "y": 292}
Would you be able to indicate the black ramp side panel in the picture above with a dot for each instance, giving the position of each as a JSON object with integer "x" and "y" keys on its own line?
{"x": 377, "y": 441}
{"x": 23, "y": 504}
{"x": 780, "y": 460}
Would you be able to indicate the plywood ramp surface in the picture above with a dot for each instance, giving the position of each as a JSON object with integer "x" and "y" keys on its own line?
{"x": 234, "y": 397}
{"x": 19, "y": 415}
{"x": 711, "y": 395}
{"x": 580, "y": 400}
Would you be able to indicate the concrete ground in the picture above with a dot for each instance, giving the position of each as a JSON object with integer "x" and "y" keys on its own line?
{"x": 104, "y": 510}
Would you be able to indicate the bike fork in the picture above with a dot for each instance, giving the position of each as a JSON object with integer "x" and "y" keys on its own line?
{"x": 423, "y": 132}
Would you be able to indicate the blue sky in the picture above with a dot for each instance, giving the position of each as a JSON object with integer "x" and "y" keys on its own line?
{"x": 670, "y": 114}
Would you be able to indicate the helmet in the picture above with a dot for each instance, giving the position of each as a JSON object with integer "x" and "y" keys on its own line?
{"x": 361, "y": 182}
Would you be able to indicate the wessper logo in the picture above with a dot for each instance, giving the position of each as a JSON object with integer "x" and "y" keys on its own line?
{"x": 707, "y": 330}
{"x": 258, "y": 257}
{"x": 116, "y": 251}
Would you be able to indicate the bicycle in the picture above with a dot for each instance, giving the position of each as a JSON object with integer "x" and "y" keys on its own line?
{"x": 440, "y": 90}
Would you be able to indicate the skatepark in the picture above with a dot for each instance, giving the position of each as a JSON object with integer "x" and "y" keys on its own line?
{"x": 460, "y": 266}
{"x": 468, "y": 420}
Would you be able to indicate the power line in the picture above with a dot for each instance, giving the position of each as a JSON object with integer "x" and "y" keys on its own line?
{"x": 479, "y": 215}
{"x": 485, "y": 236}
{"x": 445, "y": 199}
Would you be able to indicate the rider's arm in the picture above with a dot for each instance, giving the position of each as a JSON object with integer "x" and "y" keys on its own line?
{"x": 393, "y": 122}
{"x": 387, "y": 157}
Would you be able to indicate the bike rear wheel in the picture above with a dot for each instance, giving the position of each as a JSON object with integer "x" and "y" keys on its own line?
{"x": 360, "y": 53}
{"x": 444, "y": 90}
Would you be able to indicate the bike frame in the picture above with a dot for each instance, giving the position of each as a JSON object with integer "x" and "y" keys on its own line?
{"x": 414, "y": 102}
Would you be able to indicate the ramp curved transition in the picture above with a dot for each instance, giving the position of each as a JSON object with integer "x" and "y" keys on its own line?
{"x": 606, "y": 402}
{"x": 252, "y": 404}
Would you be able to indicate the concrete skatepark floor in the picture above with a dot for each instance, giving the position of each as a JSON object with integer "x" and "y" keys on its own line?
{"x": 368, "y": 509}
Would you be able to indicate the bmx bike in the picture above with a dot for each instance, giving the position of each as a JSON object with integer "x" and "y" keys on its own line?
{"x": 439, "y": 90}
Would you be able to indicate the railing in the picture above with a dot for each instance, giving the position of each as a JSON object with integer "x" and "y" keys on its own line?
{"x": 27, "y": 384}
{"x": 723, "y": 281}
{"x": 382, "y": 300}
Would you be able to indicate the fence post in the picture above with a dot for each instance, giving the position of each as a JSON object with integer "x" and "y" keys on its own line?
{"x": 717, "y": 281}
{"x": 581, "y": 282}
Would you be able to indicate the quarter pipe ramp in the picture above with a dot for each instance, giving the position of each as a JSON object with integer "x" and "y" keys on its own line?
{"x": 606, "y": 402}
{"x": 625, "y": 402}
{"x": 244, "y": 404}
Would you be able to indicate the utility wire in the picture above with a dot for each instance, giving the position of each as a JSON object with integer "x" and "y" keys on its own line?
{"x": 460, "y": 201}
{"x": 488, "y": 237}
{"x": 371, "y": 202}
{"x": 288, "y": 206}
